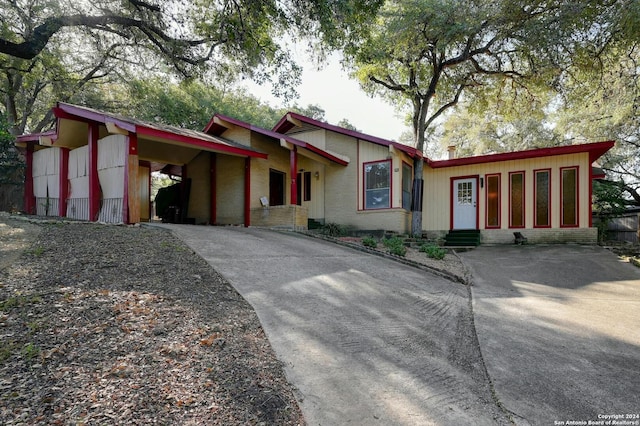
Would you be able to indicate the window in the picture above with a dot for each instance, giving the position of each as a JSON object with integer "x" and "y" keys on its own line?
{"x": 516, "y": 199}
{"x": 493, "y": 201}
{"x": 307, "y": 186}
{"x": 542, "y": 197}
{"x": 377, "y": 177}
{"x": 406, "y": 186}
{"x": 299, "y": 189}
{"x": 569, "y": 194}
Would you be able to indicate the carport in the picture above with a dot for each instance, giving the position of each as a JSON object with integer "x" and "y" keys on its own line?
{"x": 97, "y": 166}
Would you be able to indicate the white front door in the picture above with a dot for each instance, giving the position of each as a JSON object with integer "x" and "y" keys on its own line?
{"x": 464, "y": 203}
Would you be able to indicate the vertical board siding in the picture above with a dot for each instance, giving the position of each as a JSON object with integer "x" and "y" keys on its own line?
{"x": 436, "y": 214}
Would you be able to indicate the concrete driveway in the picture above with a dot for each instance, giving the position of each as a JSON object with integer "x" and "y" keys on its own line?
{"x": 559, "y": 329}
{"x": 365, "y": 340}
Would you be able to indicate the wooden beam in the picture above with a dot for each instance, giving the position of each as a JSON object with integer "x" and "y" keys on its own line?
{"x": 247, "y": 192}
{"x": 114, "y": 129}
{"x": 213, "y": 194}
{"x": 63, "y": 181}
{"x": 29, "y": 197}
{"x": 132, "y": 185}
{"x": 94, "y": 182}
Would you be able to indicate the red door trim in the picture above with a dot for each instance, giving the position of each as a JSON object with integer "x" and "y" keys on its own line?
{"x": 451, "y": 193}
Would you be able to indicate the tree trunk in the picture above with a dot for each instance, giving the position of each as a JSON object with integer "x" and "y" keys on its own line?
{"x": 420, "y": 106}
{"x": 417, "y": 200}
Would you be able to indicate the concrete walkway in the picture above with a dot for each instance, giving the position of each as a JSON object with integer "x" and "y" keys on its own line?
{"x": 559, "y": 329}
{"x": 365, "y": 340}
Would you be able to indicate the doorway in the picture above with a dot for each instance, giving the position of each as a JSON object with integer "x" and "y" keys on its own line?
{"x": 276, "y": 187}
{"x": 464, "y": 200}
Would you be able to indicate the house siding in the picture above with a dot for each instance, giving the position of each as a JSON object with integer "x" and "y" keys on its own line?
{"x": 437, "y": 209}
{"x": 198, "y": 172}
{"x": 230, "y": 190}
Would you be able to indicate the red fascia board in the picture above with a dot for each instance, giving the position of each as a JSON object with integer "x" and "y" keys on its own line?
{"x": 595, "y": 150}
{"x": 214, "y": 127}
{"x": 199, "y": 142}
{"x": 35, "y": 137}
{"x": 73, "y": 112}
{"x": 284, "y": 125}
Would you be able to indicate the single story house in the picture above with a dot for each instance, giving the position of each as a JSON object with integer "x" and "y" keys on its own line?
{"x": 97, "y": 166}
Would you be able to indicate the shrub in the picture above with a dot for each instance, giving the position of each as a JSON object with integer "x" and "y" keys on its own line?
{"x": 433, "y": 251}
{"x": 369, "y": 242}
{"x": 395, "y": 246}
{"x": 333, "y": 230}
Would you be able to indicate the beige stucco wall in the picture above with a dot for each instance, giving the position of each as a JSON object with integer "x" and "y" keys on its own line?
{"x": 316, "y": 138}
{"x": 199, "y": 198}
{"x": 437, "y": 189}
{"x": 238, "y": 135}
{"x": 230, "y": 189}
{"x": 344, "y": 186}
{"x": 278, "y": 160}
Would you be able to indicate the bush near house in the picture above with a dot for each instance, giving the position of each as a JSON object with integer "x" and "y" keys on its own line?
{"x": 369, "y": 242}
{"x": 395, "y": 246}
{"x": 433, "y": 251}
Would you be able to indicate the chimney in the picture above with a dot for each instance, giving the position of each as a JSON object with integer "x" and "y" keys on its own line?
{"x": 452, "y": 151}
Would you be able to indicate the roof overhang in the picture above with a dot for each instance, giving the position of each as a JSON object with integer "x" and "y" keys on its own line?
{"x": 70, "y": 115}
{"x": 292, "y": 120}
{"x": 595, "y": 151}
{"x": 220, "y": 123}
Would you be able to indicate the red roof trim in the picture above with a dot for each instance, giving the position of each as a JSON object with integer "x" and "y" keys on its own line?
{"x": 595, "y": 150}
{"x": 201, "y": 143}
{"x": 35, "y": 137}
{"x": 92, "y": 115}
{"x": 88, "y": 115}
{"x": 284, "y": 125}
{"x": 217, "y": 130}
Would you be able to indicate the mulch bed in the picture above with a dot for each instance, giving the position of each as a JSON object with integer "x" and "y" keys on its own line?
{"x": 126, "y": 325}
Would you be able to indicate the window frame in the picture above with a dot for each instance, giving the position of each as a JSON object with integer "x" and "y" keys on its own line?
{"x": 535, "y": 198}
{"x": 487, "y": 202}
{"x": 365, "y": 182}
{"x": 524, "y": 199}
{"x": 576, "y": 197}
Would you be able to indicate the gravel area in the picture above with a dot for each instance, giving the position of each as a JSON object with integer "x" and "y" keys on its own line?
{"x": 126, "y": 325}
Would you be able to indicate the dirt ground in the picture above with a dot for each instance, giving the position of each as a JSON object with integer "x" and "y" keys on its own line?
{"x": 126, "y": 325}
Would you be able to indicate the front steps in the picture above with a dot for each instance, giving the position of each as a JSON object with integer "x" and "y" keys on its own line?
{"x": 462, "y": 238}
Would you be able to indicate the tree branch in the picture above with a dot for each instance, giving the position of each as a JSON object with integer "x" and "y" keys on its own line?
{"x": 41, "y": 35}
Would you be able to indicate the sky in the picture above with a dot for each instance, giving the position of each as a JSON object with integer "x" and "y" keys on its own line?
{"x": 341, "y": 98}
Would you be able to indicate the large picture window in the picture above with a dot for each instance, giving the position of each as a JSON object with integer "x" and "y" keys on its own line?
{"x": 516, "y": 199}
{"x": 569, "y": 194}
{"x": 542, "y": 196}
{"x": 493, "y": 201}
{"x": 377, "y": 180}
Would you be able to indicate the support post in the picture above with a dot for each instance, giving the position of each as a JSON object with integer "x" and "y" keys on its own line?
{"x": 94, "y": 182}
{"x": 293, "y": 165}
{"x": 132, "y": 184}
{"x": 29, "y": 197}
{"x": 63, "y": 182}
{"x": 247, "y": 192}
{"x": 213, "y": 206}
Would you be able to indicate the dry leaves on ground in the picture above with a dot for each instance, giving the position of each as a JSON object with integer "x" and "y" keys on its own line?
{"x": 126, "y": 325}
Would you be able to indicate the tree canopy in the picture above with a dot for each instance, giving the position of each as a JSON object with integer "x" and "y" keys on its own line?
{"x": 430, "y": 54}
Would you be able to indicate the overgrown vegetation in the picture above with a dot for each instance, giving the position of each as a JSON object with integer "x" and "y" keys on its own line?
{"x": 395, "y": 245}
{"x": 333, "y": 230}
{"x": 369, "y": 241}
{"x": 433, "y": 251}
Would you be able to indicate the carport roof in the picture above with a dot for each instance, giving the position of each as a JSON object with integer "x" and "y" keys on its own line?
{"x": 154, "y": 131}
